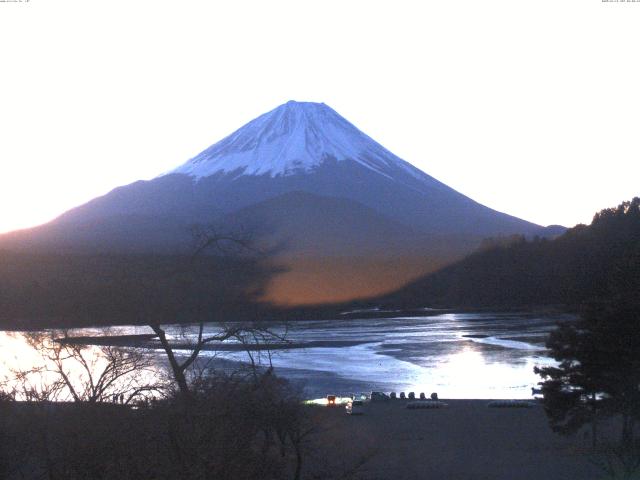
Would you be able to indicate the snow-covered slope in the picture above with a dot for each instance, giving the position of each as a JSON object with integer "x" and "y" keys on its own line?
{"x": 293, "y": 138}
{"x": 347, "y": 217}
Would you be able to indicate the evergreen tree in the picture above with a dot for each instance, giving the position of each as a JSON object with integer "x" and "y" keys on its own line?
{"x": 598, "y": 374}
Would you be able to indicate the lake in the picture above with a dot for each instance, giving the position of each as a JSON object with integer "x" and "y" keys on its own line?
{"x": 457, "y": 355}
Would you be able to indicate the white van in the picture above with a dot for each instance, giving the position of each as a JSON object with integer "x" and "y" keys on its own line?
{"x": 355, "y": 407}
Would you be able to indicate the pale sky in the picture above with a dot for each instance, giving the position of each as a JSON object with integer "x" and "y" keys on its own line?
{"x": 530, "y": 107}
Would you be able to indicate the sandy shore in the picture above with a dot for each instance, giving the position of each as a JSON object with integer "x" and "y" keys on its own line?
{"x": 465, "y": 441}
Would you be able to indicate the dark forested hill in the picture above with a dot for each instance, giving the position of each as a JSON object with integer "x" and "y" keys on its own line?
{"x": 586, "y": 262}
{"x": 60, "y": 290}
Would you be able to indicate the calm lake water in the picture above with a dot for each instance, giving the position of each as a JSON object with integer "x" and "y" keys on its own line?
{"x": 456, "y": 355}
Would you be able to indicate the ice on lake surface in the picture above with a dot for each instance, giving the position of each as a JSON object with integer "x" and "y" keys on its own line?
{"x": 456, "y": 355}
{"x": 469, "y": 355}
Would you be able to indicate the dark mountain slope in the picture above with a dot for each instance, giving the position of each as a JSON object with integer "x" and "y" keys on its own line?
{"x": 374, "y": 254}
{"x": 310, "y": 224}
{"x": 338, "y": 202}
{"x": 584, "y": 263}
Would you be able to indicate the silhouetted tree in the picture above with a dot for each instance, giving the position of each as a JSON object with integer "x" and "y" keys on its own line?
{"x": 197, "y": 298}
{"x": 599, "y": 368}
{"x": 191, "y": 344}
{"x": 85, "y": 373}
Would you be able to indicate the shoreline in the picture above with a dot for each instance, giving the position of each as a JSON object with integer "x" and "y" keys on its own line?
{"x": 465, "y": 440}
{"x": 148, "y": 341}
{"x": 346, "y": 312}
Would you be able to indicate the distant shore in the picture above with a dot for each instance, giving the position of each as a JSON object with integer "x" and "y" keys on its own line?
{"x": 351, "y": 311}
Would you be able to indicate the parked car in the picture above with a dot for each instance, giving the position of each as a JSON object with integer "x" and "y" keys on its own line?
{"x": 355, "y": 407}
{"x": 378, "y": 397}
{"x": 420, "y": 404}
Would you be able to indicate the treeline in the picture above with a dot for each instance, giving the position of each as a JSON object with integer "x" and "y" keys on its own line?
{"x": 586, "y": 262}
{"x": 65, "y": 290}
{"x": 231, "y": 430}
{"x": 118, "y": 413}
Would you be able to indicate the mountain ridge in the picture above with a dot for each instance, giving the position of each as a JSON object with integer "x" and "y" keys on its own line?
{"x": 351, "y": 184}
{"x": 309, "y": 133}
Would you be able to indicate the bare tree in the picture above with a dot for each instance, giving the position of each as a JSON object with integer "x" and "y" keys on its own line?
{"x": 245, "y": 334}
{"x": 250, "y": 337}
{"x": 88, "y": 373}
{"x": 34, "y": 385}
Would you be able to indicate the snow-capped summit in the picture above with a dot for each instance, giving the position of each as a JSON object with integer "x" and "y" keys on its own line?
{"x": 347, "y": 217}
{"x": 295, "y": 137}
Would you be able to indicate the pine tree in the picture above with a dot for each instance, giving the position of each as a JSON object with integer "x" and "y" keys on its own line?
{"x": 598, "y": 374}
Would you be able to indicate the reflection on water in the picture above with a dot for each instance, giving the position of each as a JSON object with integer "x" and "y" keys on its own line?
{"x": 35, "y": 367}
{"x": 455, "y": 355}
{"x": 23, "y": 369}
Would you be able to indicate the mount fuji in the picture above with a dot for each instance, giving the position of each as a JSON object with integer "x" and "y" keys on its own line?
{"x": 297, "y": 137}
{"x": 352, "y": 219}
